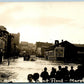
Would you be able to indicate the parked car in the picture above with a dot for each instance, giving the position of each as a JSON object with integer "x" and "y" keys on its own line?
{"x": 33, "y": 58}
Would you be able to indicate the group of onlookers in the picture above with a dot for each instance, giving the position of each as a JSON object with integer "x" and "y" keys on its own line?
{"x": 60, "y": 75}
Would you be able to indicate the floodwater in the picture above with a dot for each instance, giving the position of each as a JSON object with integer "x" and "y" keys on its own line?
{"x": 19, "y": 69}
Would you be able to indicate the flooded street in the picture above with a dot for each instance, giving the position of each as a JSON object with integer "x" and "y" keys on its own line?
{"x": 18, "y": 70}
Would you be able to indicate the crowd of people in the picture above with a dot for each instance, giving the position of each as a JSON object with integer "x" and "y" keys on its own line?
{"x": 60, "y": 75}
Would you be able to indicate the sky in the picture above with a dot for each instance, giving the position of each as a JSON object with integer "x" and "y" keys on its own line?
{"x": 44, "y": 21}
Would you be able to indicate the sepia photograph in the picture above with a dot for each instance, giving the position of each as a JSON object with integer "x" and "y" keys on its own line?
{"x": 42, "y": 42}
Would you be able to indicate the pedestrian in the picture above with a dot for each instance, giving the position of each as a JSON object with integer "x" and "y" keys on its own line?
{"x": 79, "y": 72}
{"x": 59, "y": 74}
{"x": 53, "y": 75}
{"x": 29, "y": 78}
{"x": 66, "y": 74}
{"x": 45, "y": 75}
{"x": 28, "y": 57}
{"x": 36, "y": 77}
{"x": 72, "y": 74}
{"x": 8, "y": 61}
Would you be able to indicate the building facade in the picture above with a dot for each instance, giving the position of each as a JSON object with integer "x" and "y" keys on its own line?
{"x": 65, "y": 51}
{"x": 40, "y": 48}
{"x": 29, "y": 48}
{"x": 15, "y": 41}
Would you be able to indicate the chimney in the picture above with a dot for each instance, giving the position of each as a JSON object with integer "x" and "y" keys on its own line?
{"x": 62, "y": 40}
{"x": 56, "y": 42}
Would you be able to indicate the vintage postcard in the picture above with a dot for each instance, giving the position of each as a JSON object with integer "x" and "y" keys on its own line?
{"x": 42, "y": 42}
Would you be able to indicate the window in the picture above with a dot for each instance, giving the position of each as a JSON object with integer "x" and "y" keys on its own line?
{"x": 59, "y": 52}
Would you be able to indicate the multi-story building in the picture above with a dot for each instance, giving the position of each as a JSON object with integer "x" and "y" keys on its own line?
{"x": 65, "y": 51}
{"x": 40, "y": 48}
{"x": 27, "y": 47}
{"x": 24, "y": 46}
{"x": 16, "y": 39}
{"x": 32, "y": 48}
{"x": 15, "y": 43}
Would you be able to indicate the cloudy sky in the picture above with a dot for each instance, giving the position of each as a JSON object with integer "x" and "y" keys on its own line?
{"x": 44, "y": 21}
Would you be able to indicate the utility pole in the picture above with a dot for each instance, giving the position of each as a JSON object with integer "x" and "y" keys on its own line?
{"x": 9, "y": 48}
{"x": 14, "y": 51}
